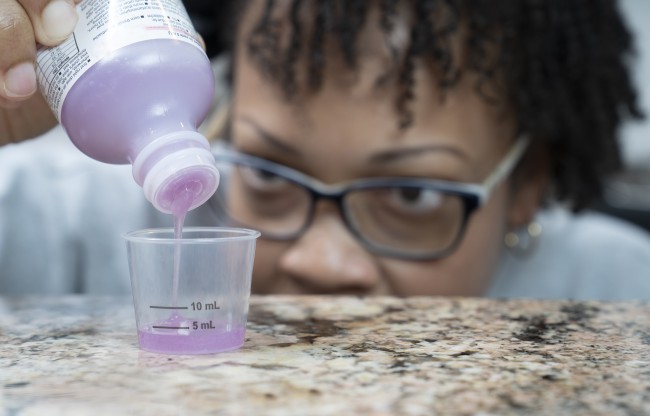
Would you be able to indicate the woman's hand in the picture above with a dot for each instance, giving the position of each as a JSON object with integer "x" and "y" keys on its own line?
{"x": 24, "y": 23}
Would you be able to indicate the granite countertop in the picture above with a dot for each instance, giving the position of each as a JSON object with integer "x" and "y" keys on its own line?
{"x": 334, "y": 355}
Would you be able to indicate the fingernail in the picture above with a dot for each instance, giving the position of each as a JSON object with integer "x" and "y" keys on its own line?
{"x": 20, "y": 80}
{"x": 59, "y": 19}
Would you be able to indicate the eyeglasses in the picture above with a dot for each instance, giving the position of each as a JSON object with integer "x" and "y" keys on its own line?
{"x": 405, "y": 218}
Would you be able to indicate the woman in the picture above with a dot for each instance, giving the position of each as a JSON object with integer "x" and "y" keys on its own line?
{"x": 399, "y": 147}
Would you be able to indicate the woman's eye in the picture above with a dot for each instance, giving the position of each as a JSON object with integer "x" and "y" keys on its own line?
{"x": 415, "y": 200}
{"x": 262, "y": 179}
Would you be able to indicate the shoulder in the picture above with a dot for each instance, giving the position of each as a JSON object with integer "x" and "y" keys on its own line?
{"x": 49, "y": 156}
{"x": 581, "y": 256}
{"x": 591, "y": 233}
{"x": 67, "y": 211}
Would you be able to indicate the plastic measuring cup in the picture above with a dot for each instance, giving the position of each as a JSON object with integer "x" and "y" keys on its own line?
{"x": 191, "y": 294}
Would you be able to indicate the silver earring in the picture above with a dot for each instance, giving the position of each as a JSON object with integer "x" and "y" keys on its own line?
{"x": 524, "y": 241}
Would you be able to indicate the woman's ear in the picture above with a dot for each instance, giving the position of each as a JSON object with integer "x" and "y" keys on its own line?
{"x": 529, "y": 186}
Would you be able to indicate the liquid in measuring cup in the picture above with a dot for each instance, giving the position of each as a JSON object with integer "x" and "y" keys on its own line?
{"x": 180, "y": 335}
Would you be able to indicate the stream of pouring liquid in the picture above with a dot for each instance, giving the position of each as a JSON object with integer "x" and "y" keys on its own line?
{"x": 180, "y": 206}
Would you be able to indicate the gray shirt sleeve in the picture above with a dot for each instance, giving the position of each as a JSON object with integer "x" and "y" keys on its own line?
{"x": 62, "y": 215}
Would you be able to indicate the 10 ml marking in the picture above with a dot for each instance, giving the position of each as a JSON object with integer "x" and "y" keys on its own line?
{"x": 197, "y": 306}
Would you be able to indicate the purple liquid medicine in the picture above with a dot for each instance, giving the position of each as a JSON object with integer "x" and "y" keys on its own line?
{"x": 131, "y": 85}
{"x": 185, "y": 340}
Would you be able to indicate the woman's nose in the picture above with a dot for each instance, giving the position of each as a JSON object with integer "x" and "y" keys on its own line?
{"x": 328, "y": 259}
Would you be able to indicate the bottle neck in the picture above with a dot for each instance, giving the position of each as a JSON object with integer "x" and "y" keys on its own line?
{"x": 177, "y": 165}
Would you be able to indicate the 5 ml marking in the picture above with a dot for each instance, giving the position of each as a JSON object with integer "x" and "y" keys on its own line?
{"x": 169, "y": 327}
{"x": 203, "y": 325}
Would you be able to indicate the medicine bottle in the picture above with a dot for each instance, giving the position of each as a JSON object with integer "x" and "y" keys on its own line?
{"x": 131, "y": 85}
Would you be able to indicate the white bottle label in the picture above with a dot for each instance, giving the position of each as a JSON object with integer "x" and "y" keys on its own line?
{"x": 105, "y": 26}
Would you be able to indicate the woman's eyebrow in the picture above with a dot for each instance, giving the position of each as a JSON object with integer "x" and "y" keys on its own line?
{"x": 382, "y": 157}
{"x": 392, "y": 155}
{"x": 269, "y": 137}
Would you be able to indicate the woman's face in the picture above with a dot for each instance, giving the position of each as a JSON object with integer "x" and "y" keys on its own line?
{"x": 343, "y": 133}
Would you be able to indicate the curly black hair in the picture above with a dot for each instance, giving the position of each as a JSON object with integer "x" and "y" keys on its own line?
{"x": 561, "y": 65}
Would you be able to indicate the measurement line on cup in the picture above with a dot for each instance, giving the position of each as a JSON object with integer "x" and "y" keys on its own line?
{"x": 170, "y": 327}
{"x": 168, "y": 307}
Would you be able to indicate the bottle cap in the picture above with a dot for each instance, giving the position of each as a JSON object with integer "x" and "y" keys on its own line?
{"x": 174, "y": 165}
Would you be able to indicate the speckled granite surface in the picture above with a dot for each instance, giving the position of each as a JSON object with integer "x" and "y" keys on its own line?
{"x": 339, "y": 356}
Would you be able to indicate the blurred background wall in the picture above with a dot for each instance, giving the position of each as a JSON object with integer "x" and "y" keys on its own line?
{"x": 637, "y": 136}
